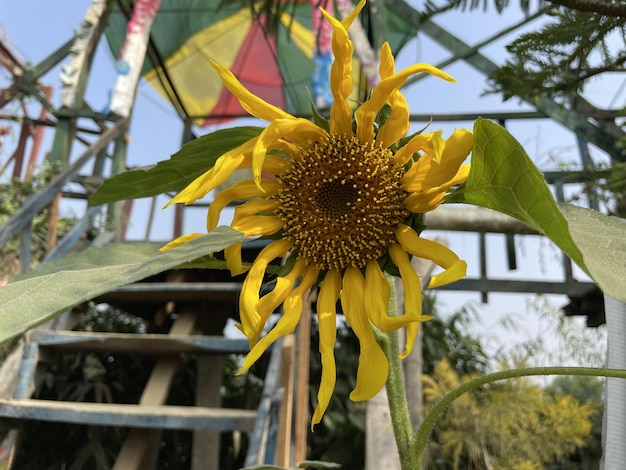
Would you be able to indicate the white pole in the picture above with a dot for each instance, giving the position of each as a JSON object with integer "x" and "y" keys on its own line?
{"x": 614, "y": 423}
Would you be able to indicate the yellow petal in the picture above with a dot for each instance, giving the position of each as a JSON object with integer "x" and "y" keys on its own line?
{"x": 431, "y": 142}
{"x": 373, "y": 367}
{"x": 283, "y": 287}
{"x": 457, "y": 271}
{"x": 300, "y": 131}
{"x": 250, "y": 102}
{"x": 454, "y": 268}
{"x": 397, "y": 124}
{"x": 180, "y": 241}
{"x": 366, "y": 113}
{"x": 288, "y": 321}
{"x": 246, "y": 221}
{"x": 412, "y": 329}
{"x": 254, "y": 207}
{"x": 221, "y": 171}
{"x": 430, "y": 171}
{"x": 412, "y": 293}
{"x": 426, "y": 201}
{"x": 327, "y": 324}
{"x": 256, "y": 225}
{"x": 387, "y": 66}
{"x": 232, "y": 254}
{"x": 245, "y": 189}
{"x": 341, "y": 73}
{"x": 377, "y": 295}
{"x": 249, "y": 297}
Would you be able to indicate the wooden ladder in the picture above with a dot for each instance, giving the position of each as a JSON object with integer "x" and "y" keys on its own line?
{"x": 270, "y": 425}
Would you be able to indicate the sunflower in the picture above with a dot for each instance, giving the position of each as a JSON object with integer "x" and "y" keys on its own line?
{"x": 340, "y": 197}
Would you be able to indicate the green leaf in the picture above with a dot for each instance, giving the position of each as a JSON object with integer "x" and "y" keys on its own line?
{"x": 602, "y": 241}
{"x": 47, "y": 292}
{"x": 504, "y": 178}
{"x": 174, "y": 174}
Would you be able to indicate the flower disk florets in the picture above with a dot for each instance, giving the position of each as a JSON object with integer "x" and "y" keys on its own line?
{"x": 341, "y": 202}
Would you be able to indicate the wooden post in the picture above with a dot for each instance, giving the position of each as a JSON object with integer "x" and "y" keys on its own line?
{"x": 303, "y": 353}
{"x": 283, "y": 444}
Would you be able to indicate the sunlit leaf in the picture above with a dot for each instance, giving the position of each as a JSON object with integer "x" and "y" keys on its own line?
{"x": 504, "y": 178}
{"x": 602, "y": 241}
{"x": 174, "y": 174}
{"x": 41, "y": 295}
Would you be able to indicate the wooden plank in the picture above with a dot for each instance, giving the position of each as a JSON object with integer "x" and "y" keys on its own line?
{"x": 134, "y": 451}
{"x": 123, "y": 415}
{"x": 173, "y": 291}
{"x": 285, "y": 425}
{"x": 140, "y": 343}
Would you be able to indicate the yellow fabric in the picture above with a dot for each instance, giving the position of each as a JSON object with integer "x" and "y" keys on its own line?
{"x": 220, "y": 40}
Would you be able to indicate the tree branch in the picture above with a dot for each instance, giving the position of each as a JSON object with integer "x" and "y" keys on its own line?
{"x": 604, "y": 7}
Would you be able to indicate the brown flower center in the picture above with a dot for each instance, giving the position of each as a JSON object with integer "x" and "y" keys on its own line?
{"x": 341, "y": 203}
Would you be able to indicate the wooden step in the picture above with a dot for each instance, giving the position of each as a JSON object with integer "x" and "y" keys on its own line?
{"x": 132, "y": 416}
{"x": 139, "y": 343}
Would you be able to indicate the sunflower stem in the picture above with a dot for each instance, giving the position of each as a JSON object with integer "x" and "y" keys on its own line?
{"x": 398, "y": 406}
{"x": 421, "y": 437}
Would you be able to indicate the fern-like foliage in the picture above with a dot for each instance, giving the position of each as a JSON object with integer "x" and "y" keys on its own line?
{"x": 434, "y": 7}
{"x": 560, "y": 58}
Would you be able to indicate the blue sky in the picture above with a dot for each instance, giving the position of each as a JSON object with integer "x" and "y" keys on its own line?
{"x": 36, "y": 28}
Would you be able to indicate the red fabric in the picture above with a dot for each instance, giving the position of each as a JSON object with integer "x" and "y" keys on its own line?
{"x": 257, "y": 68}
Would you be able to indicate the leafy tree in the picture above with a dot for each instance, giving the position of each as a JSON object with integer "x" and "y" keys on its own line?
{"x": 515, "y": 424}
{"x": 561, "y": 57}
{"x": 12, "y": 196}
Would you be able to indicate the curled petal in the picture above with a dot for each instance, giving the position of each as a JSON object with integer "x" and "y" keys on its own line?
{"x": 387, "y": 66}
{"x": 412, "y": 293}
{"x": 373, "y": 366}
{"x": 287, "y": 323}
{"x": 430, "y": 171}
{"x": 232, "y": 254}
{"x": 458, "y": 270}
{"x": 224, "y": 167}
{"x": 300, "y": 131}
{"x": 249, "y": 297}
{"x": 341, "y": 72}
{"x": 254, "y": 207}
{"x": 180, "y": 241}
{"x": 366, "y": 113}
{"x": 256, "y": 225}
{"x": 283, "y": 287}
{"x": 431, "y": 142}
{"x": 327, "y": 323}
{"x": 245, "y": 189}
{"x": 454, "y": 268}
{"x": 251, "y": 103}
{"x": 427, "y": 201}
{"x": 396, "y": 126}
{"x": 377, "y": 296}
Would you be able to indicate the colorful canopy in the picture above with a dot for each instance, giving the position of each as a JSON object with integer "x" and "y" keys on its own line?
{"x": 187, "y": 34}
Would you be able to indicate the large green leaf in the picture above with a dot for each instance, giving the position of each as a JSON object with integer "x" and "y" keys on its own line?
{"x": 174, "y": 174}
{"x": 504, "y": 178}
{"x": 36, "y": 297}
{"x": 602, "y": 241}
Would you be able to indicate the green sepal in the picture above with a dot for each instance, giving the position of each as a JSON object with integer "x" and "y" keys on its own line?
{"x": 318, "y": 119}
